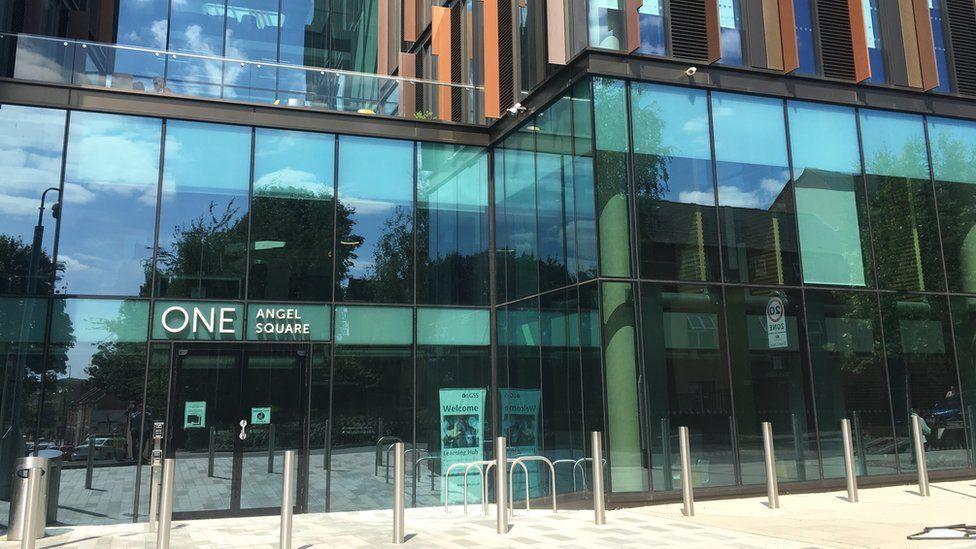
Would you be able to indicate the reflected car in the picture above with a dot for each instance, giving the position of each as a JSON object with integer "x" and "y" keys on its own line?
{"x": 106, "y": 448}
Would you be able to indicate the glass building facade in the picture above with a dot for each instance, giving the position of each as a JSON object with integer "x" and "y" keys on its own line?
{"x": 618, "y": 262}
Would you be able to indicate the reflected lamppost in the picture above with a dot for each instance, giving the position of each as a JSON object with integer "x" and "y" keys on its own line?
{"x": 12, "y": 441}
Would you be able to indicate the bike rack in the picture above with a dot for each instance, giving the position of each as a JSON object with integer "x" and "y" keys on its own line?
{"x": 484, "y": 484}
{"x": 379, "y": 443}
{"x": 511, "y": 464}
{"x": 572, "y": 461}
{"x": 446, "y": 487}
{"x": 580, "y": 463}
{"x": 420, "y": 460}
{"x": 552, "y": 480}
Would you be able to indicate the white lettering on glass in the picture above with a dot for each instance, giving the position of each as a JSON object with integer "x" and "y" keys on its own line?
{"x": 226, "y": 320}
{"x": 207, "y": 323}
{"x": 181, "y": 327}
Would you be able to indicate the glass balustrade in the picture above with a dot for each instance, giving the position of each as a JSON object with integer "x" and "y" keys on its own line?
{"x": 136, "y": 69}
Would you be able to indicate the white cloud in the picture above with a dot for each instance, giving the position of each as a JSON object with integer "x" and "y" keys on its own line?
{"x": 158, "y": 30}
{"x": 734, "y": 196}
{"x": 76, "y": 194}
{"x": 696, "y": 197}
{"x": 18, "y": 205}
{"x": 771, "y": 186}
{"x": 71, "y": 264}
{"x": 290, "y": 177}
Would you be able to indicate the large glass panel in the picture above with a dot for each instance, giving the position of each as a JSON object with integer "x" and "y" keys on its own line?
{"x": 591, "y": 373}
{"x": 516, "y": 230}
{"x": 252, "y": 33}
{"x": 197, "y": 26}
{"x": 755, "y": 194}
{"x": 805, "y": 37}
{"x": 923, "y": 379}
{"x": 956, "y": 410}
{"x": 653, "y": 28}
{"x": 830, "y": 204}
{"x": 583, "y": 182}
{"x": 730, "y": 26}
{"x": 90, "y": 402}
{"x": 320, "y": 382}
{"x": 110, "y": 188}
{"x": 31, "y": 143}
{"x": 452, "y": 326}
{"x": 903, "y": 220}
{"x": 291, "y": 219}
{"x": 849, "y": 381}
{"x": 677, "y": 227}
{"x": 556, "y": 198}
{"x": 452, "y": 224}
{"x": 953, "y": 145}
{"x": 143, "y": 23}
{"x": 563, "y": 437}
{"x": 612, "y": 187}
{"x": 453, "y": 420}
{"x": 373, "y": 325}
{"x": 376, "y": 186}
{"x": 203, "y": 222}
{"x": 372, "y": 406}
{"x": 872, "y": 32}
{"x": 687, "y": 384}
{"x": 770, "y": 382}
{"x": 628, "y": 470}
{"x": 520, "y": 389}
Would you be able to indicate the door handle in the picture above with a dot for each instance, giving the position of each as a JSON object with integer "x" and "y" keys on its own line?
{"x": 243, "y": 434}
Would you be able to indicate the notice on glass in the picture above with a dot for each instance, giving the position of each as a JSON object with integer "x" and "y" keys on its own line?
{"x": 462, "y": 437}
{"x": 261, "y": 416}
{"x": 195, "y": 415}
{"x": 776, "y": 323}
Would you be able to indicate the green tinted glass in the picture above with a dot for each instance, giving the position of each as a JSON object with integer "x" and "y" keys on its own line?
{"x": 452, "y": 326}
{"x": 373, "y": 326}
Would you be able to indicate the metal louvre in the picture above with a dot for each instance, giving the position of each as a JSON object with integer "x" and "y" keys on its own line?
{"x": 961, "y": 15}
{"x": 835, "y": 39}
{"x": 689, "y": 29}
{"x": 506, "y": 66}
{"x": 457, "y": 95}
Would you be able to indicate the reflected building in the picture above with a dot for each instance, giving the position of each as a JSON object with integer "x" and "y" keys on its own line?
{"x": 334, "y": 225}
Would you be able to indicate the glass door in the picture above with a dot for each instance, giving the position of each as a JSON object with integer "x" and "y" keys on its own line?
{"x": 234, "y": 411}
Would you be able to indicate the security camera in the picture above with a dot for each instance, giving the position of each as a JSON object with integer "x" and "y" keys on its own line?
{"x": 516, "y": 108}
{"x": 690, "y": 71}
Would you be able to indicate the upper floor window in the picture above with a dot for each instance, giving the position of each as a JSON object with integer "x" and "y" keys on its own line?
{"x": 653, "y": 27}
{"x": 805, "y": 36}
{"x": 938, "y": 36}
{"x": 730, "y": 22}
{"x": 872, "y": 33}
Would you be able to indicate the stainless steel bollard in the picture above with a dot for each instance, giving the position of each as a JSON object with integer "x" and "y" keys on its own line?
{"x": 90, "y": 467}
{"x": 845, "y": 433}
{"x": 398, "y": 489}
{"x": 33, "y": 513}
{"x": 271, "y": 446}
{"x": 772, "y": 487}
{"x": 687, "y": 491}
{"x": 156, "y": 465}
{"x": 923, "y": 471}
{"x": 599, "y": 501}
{"x": 501, "y": 486}
{"x": 287, "y": 499}
{"x": 166, "y": 504}
{"x": 210, "y": 452}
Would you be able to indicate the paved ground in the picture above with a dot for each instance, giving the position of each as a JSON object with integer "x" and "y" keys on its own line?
{"x": 882, "y": 519}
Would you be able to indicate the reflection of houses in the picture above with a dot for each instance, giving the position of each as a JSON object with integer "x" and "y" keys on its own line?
{"x": 95, "y": 411}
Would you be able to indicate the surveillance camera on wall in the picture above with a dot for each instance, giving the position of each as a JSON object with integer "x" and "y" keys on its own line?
{"x": 690, "y": 71}
{"x": 516, "y": 108}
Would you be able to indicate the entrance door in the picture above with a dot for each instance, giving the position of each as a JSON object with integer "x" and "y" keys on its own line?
{"x": 236, "y": 409}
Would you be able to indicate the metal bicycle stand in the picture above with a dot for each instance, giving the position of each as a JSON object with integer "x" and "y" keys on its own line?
{"x": 378, "y": 460}
{"x": 687, "y": 492}
{"x": 599, "y": 504}
{"x": 501, "y": 500}
{"x": 156, "y": 465}
{"x": 166, "y": 505}
{"x": 845, "y": 432}
{"x": 90, "y": 466}
{"x": 923, "y": 471}
{"x": 287, "y": 499}
{"x": 772, "y": 487}
{"x": 398, "y": 490}
{"x": 552, "y": 477}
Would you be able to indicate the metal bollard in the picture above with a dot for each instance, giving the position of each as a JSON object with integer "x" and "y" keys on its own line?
{"x": 31, "y": 512}
{"x": 398, "y": 488}
{"x": 772, "y": 487}
{"x": 845, "y": 432}
{"x": 599, "y": 503}
{"x": 166, "y": 504}
{"x": 923, "y": 471}
{"x": 210, "y": 452}
{"x": 687, "y": 491}
{"x": 287, "y": 499}
{"x": 271, "y": 446}
{"x": 155, "y": 468}
{"x": 89, "y": 470}
{"x": 501, "y": 486}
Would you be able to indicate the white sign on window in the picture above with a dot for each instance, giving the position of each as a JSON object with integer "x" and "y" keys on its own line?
{"x": 869, "y": 24}
{"x": 776, "y": 323}
{"x": 726, "y": 14}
